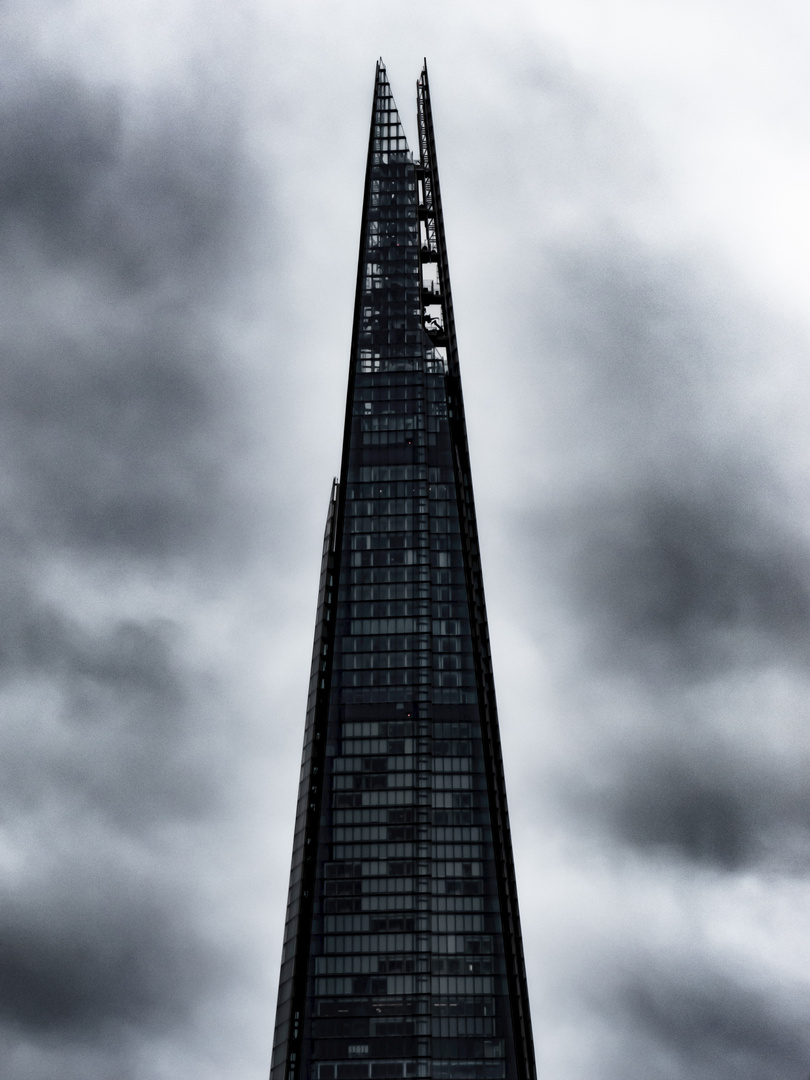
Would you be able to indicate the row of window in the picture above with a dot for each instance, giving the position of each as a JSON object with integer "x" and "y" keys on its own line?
{"x": 410, "y": 557}
{"x": 383, "y": 205}
{"x": 383, "y": 1070}
{"x": 378, "y": 883}
{"x": 370, "y": 833}
{"x": 441, "y": 783}
{"x": 407, "y": 763}
{"x": 409, "y": 625}
{"x": 357, "y": 747}
{"x": 376, "y": 817}
{"x": 382, "y": 506}
{"x": 411, "y": 382}
{"x": 392, "y": 185}
{"x": 414, "y": 423}
{"x": 404, "y": 590}
{"x": 419, "y": 589}
{"x": 397, "y": 205}
{"x": 439, "y": 923}
{"x": 381, "y": 627}
{"x": 405, "y": 924}
{"x": 431, "y": 867}
{"x": 403, "y": 677}
{"x": 376, "y": 903}
{"x": 375, "y": 782}
{"x": 358, "y": 1027}
{"x": 378, "y": 695}
{"x": 421, "y": 575}
{"x": 331, "y": 986}
{"x": 373, "y": 361}
{"x": 444, "y": 944}
{"x": 438, "y": 661}
{"x": 371, "y": 903}
{"x": 406, "y": 527}
{"x": 371, "y": 965}
{"x": 393, "y": 1070}
{"x": 402, "y": 850}
{"x": 413, "y": 607}
{"x": 369, "y": 943}
{"x": 344, "y": 1043}
{"x": 387, "y": 401}
{"x": 401, "y": 797}
{"x": 354, "y": 729}
{"x": 371, "y": 474}
{"x": 409, "y": 515}
{"x": 455, "y": 820}
{"x": 405, "y": 422}
{"x": 386, "y": 644}
{"x": 364, "y": 1026}
{"x": 358, "y": 888}
{"x": 415, "y": 403}
{"x": 454, "y": 783}
{"x": 397, "y": 438}
{"x": 387, "y": 258}
{"x": 440, "y": 729}
{"x": 373, "y": 850}
{"x": 441, "y": 748}
{"x": 358, "y": 661}
{"x": 382, "y": 643}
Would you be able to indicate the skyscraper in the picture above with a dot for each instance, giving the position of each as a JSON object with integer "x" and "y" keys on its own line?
{"x": 402, "y": 951}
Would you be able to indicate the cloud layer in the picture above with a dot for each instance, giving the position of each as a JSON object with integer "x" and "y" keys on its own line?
{"x": 179, "y": 203}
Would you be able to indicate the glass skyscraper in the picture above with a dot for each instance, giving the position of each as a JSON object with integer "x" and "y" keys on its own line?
{"x": 402, "y": 952}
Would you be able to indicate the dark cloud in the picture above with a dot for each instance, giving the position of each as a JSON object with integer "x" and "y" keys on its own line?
{"x": 123, "y": 216}
{"x": 121, "y": 726}
{"x": 140, "y": 197}
{"x": 665, "y": 781}
{"x": 694, "y": 580}
{"x": 81, "y": 955}
{"x": 699, "y": 1022}
{"x": 669, "y": 808}
{"x": 674, "y": 561}
{"x": 119, "y": 226}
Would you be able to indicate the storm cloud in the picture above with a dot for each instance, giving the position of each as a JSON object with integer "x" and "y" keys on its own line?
{"x": 180, "y": 193}
{"x": 120, "y": 220}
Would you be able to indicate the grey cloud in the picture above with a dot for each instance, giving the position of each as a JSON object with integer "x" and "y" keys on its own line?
{"x": 119, "y": 228}
{"x": 674, "y": 560}
{"x": 700, "y": 1022}
{"x": 122, "y": 221}
{"x": 85, "y": 954}
{"x": 669, "y": 527}
{"x": 99, "y": 720}
{"x": 647, "y": 346}
{"x": 697, "y": 580}
{"x": 721, "y": 812}
{"x": 137, "y": 198}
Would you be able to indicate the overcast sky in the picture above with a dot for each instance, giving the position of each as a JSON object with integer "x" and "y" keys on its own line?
{"x": 625, "y": 188}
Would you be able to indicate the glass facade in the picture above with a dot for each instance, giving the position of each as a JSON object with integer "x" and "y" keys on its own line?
{"x": 402, "y": 953}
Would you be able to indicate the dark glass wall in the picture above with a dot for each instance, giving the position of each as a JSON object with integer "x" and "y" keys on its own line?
{"x": 402, "y": 951}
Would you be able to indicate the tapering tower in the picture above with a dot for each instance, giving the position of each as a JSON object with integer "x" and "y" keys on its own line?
{"x": 402, "y": 952}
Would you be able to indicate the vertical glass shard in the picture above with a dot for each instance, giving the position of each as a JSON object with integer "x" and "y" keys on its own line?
{"x": 402, "y": 953}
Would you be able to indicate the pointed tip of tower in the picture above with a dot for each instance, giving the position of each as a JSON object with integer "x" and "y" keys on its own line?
{"x": 382, "y": 74}
{"x": 390, "y": 135}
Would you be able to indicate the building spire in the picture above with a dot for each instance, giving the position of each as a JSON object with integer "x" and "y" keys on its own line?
{"x": 402, "y": 952}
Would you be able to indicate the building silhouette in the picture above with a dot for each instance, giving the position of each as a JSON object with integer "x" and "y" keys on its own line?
{"x": 402, "y": 951}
